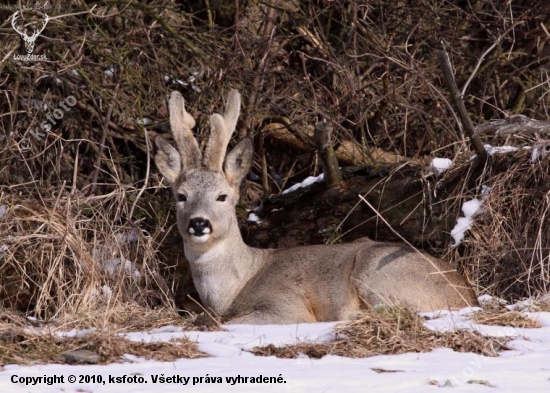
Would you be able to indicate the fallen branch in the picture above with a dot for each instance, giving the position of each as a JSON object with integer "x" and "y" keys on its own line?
{"x": 456, "y": 98}
{"x": 515, "y": 124}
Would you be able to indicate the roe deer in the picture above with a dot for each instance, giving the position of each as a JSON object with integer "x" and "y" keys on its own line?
{"x": 280, "y": 286}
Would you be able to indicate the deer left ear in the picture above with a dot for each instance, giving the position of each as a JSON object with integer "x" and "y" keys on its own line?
{"x": 238, "y": 161}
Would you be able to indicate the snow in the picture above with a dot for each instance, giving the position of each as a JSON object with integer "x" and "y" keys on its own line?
{"x": 440, "y": 165}
{"x": 540, "y": 151}
{"x": 145, "y": 121}
{"x": 523, "y": 368}
{"x": 3, "y": 211}
{"x": 110, "y": 72}
{"x": 252, "y": 217}
{"x": 463, "y": 224}
{"x": 191, "y": 80}
{"x": 492, "y": 150}
{"x": 469, "y": 209}
{"x": 307, "y": 182}
{"x": 112, "y": 266}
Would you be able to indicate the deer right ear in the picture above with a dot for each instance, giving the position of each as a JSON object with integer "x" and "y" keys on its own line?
{"x": 238, "y": 161}
{"x": 167, "y": 159}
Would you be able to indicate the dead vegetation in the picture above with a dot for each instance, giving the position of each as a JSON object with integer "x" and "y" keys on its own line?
{"x": 506, "y": 252}
{"x": 63, "y": 254}
{"x": 388, "y": 331}
{"x": 507, "y": 318}
{"x": 85, "y": 222}
{"x": 18, "y": 346}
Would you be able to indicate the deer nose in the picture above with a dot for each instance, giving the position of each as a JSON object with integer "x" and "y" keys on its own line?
{"x": 199, "y": 226}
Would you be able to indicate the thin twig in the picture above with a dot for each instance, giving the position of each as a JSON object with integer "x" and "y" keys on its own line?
{"x": 483, "y": 58}
{"x": 103, "y": 137}
{"x": 148, "y": 167}
{"x": 269, "y": 30}
{"x": 74, "y": 14}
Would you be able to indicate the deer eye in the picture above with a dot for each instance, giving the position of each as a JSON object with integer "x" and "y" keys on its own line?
{"x": 222, "y": 198}
{"x": 182, "y": 198}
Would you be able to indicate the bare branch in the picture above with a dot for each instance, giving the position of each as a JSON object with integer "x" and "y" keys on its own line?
{"x": 456, "y": 98}
{"x": 515, "y": 124}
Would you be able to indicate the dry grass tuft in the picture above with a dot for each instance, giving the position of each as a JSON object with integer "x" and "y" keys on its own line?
{"x": 19, "y": 347}
{"x": 389, "y": 331}
{"x": 505, "y": 318}
{"x": 507, "y": 250}
{"x": 67, "y": 256}
{"x": 24, "y": 341}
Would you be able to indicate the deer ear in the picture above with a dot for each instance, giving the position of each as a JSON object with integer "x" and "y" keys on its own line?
{"x": 238, "y": 161}
{"x": 167, "y": 159}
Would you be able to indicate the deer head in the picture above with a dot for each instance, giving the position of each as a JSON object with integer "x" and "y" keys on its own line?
{"x": 21, "y": 28}
{"x": 205, "y": 184}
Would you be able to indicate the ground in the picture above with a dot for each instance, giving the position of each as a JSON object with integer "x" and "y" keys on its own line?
{"x": 525, "y": 365}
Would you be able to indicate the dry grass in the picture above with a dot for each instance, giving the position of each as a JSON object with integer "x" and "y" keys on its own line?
{"x": 505, "y": 318}
{"x": 389, "y": 331}
{"x": 18, "y": 347}
{"x": 24, "y": 341}
{"x": 74, "y": 196}
{"x": 507, "y": 251}
{"x": 67, "y": 255}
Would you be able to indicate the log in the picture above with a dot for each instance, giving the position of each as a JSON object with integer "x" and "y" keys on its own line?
{"x": 320, "y": 214}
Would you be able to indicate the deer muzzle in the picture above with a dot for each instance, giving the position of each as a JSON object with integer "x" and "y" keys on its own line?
{"x": 199, "y": 229}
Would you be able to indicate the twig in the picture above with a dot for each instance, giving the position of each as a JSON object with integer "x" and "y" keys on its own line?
{"x": 269, "y": 29}
{"x": 483, "y": 58}
{"x": 74, "y": 13}
{"x": 75, "y": 168}
{"x": 456, "y": 98}
{"x": 148, "y": 167}
{"x": 103, "y": 137}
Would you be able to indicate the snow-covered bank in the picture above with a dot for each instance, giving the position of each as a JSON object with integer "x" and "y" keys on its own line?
{"x": 526, "y": 366}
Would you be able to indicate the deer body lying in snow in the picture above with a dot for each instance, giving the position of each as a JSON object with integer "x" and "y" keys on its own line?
{"x": 277, "y": 286}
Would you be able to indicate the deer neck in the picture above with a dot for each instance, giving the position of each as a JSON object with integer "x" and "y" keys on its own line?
{"x": 220, "y": 272}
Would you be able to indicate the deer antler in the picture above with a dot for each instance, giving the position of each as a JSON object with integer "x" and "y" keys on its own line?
{"x": 181, "y": 124}
{"x": 221, "y": 129}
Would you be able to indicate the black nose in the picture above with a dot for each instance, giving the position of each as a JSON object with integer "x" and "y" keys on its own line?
{"x": 199, "y": 226}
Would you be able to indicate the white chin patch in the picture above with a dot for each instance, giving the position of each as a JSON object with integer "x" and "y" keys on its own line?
{"x": 200, "y": 239}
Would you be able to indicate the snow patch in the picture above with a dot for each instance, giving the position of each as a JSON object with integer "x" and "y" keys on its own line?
{"x": 492, "y": 150}
{"x": 252, "y": 217}
{"x": 307, "y": 182}
{"x": 523, "y": 368}
{"x": 110, "y": 72}
{"x": 145, "y": 121}
{"x": 111, "y": 266}
{"x": 469, "y": 209}
{"x": 440, "y": 165}
{"x": 3, "y": 211}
